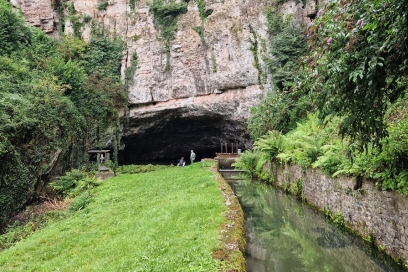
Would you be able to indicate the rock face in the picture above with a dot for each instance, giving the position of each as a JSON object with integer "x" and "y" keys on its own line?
{"x": 38, "y": 13}
{"x": 198, "y": 91}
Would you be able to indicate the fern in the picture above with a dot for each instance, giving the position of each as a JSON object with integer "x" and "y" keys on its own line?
{"x": 248, "y": 161}
{"x": 402, "y": 182}
{"x": 304, "y": 144}
{"x": 271, "y": 144}
{"x": 331, "y": 158}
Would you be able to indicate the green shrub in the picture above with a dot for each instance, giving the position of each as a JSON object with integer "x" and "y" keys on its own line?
{"x": 201, "y": 5}
{"x": 303, "y": 145}
{"x": 74, "y": 183}
{"x": 104, "y": 56}
{"x": 298, "y": 189}
{"x": 200, "y": 32}
{"x": 132, "y": 4}
{"x": 271, "y": 144}
{"x": 165, "y": 17}
{"x": 56, "y": 100}
{"x": 80, "y": 202}
{"x": 332, "y": 157}
{"x": 280, "y": 111}
{"x": 14, "y": 33}
{"x": 65, "y": 184}
{"x": 103, "y": 5}
{"x": 338, "y": 219}
{"x": 248, "y": 161}
{"x": 356, "y": 65}
{"x": 71, "y": 8}
{"x": 86, "y": 18}
{"x": 135, "y": 169}
{"x": 287, "y": 45}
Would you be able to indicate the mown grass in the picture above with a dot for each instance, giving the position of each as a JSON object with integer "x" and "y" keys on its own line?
{"x": 167, "y": 220}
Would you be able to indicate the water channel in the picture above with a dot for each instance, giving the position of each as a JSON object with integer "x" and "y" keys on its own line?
{"x": 283, "y": 234}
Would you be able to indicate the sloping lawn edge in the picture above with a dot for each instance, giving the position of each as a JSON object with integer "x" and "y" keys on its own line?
{"x": 229, "y": 250}
{"x": 232, "y": 233}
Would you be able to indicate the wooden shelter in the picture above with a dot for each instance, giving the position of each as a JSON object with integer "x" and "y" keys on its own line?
{"x": 101, "y": 156}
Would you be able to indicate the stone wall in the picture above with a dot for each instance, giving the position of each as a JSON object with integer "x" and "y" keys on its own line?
{"x": 369, "y": 211}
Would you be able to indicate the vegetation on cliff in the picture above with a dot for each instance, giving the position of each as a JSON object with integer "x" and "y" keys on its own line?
{"x": 357, "y": 64}
{"x": 57, "y": 100}
{"x": 282, "y": 107}
{"x": 354, "y": 80}
{"x": 165, "y": 15}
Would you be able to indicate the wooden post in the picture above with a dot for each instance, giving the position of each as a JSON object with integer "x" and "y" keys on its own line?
{"x": 98, "y": 159}
{"x": 221, "y": 146}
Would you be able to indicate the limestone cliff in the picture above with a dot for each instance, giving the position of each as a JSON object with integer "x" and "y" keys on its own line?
{"x": 194, "y": 93}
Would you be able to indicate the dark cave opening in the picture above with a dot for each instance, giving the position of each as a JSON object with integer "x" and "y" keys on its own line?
{"x": 170, "y": 136}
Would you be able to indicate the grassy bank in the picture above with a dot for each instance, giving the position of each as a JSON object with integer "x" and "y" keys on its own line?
{"x": 166, "y": 220}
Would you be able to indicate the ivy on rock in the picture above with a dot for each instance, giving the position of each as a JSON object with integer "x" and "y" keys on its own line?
{"x": 57, "y": 100}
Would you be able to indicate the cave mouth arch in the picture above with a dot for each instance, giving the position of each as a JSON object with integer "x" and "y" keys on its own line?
{"x": 171, "y": 135}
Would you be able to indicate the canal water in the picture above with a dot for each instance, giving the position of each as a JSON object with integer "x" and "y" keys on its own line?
{"x": 283, "y": 234}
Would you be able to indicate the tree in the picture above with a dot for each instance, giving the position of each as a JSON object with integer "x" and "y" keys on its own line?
{"x": 281, "y": 108}
{"x": 357, "y": 63}
{"x": 57, "y": 100}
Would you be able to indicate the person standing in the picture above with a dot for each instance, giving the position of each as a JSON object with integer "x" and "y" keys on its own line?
{"x": 192, "y": 156}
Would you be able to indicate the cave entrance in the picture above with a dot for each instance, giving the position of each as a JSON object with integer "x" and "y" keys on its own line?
{"x": 165, "y": 139}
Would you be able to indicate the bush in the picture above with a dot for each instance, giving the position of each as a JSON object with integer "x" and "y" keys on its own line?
{"x": 271, "y": 144}
{"x": 56, "y": 100}
{"x": 103, "y": 5}
{"x": 80, "y": 202}
{"x": 248, "y": 161}
{"x": 74, "y": 183}
{"x": 165, "y": 18}
{"x": 135, "y": 169}
{"x": 14, "y": 33}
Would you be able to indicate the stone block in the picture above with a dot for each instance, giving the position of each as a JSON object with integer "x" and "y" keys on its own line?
{"x": 105, "y": 175}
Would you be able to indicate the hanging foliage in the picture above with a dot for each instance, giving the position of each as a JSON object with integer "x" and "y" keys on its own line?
{"x": 57, "y": 100}
{"x": 357, "y": 61}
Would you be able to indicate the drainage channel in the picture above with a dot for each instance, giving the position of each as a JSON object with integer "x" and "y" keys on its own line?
{"x": 284, "y": 234}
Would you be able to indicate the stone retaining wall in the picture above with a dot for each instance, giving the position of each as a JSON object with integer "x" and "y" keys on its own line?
{"x": 368, "y": 211}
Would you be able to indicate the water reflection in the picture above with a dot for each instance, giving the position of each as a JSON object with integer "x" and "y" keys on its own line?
{"x": 286, "y": 235}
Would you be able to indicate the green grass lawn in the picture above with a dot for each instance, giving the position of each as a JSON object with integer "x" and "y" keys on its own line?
{"x": 166, "y": 220}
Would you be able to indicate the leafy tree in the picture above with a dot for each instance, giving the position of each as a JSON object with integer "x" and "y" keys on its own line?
{"x": 57, "y": 100}
{"x": 13, "y": 32}
{"x": 72, "y": 48}
{"x": 282, "y": 107}
{"x": 69, "y": 73}
{"x": 287, "y": 43}
{"x": 357, "y": 63}
{"x": 104, "y": 56}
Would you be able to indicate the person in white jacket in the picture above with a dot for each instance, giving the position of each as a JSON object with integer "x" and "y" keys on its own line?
{"x": 192, "y": 156}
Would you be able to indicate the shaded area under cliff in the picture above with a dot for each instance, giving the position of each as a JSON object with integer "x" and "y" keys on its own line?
{"x": 170, "y": 134}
